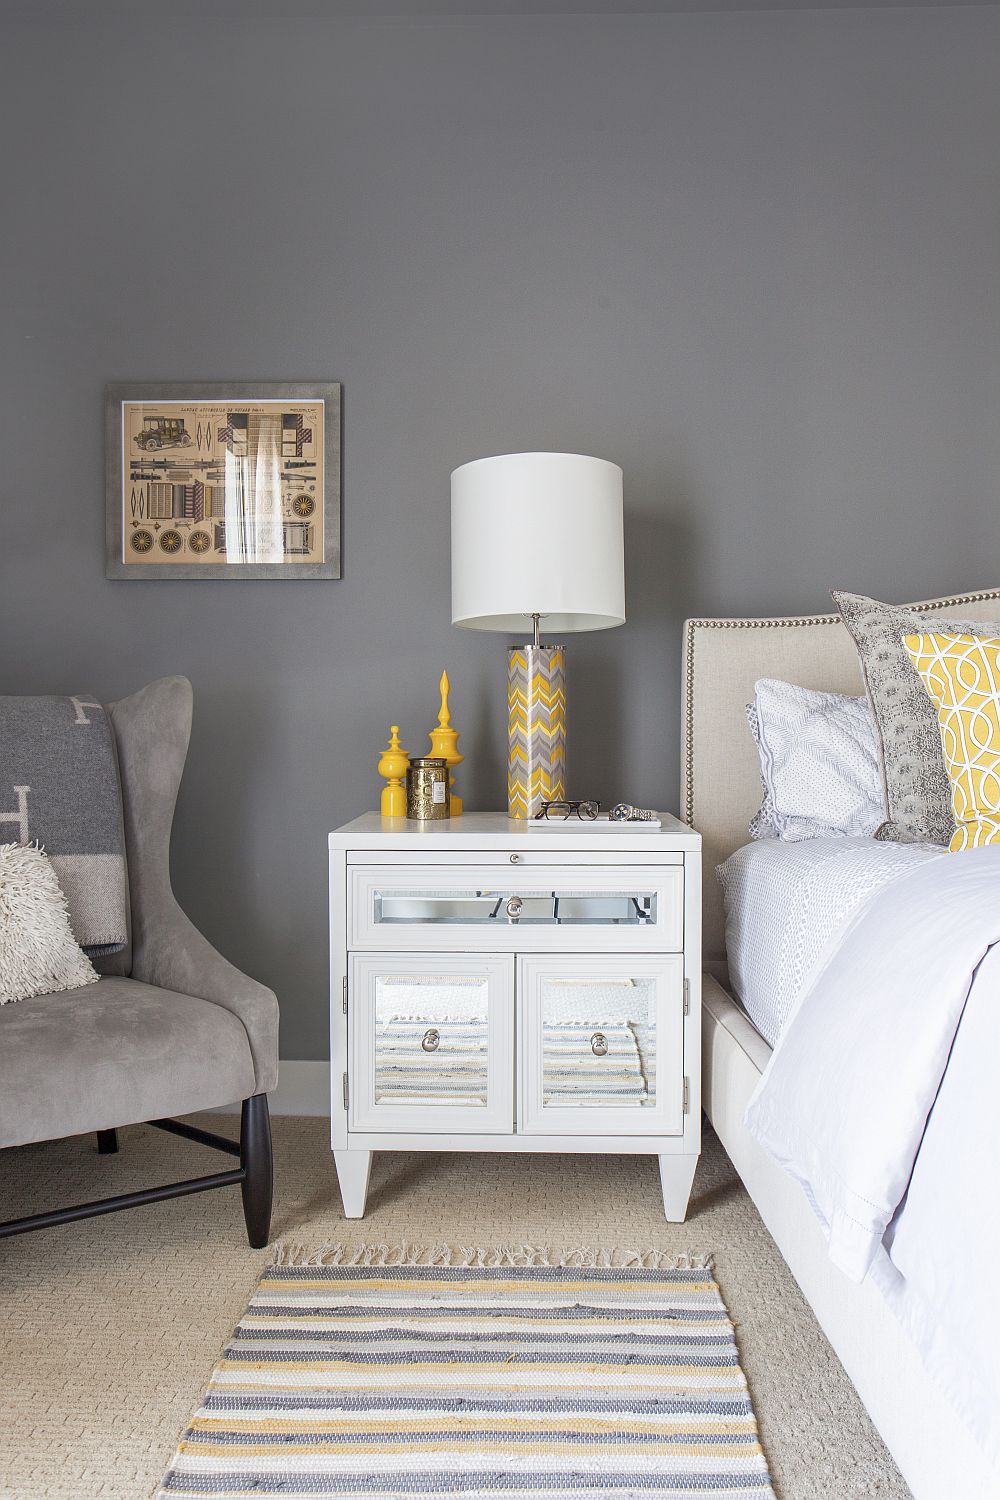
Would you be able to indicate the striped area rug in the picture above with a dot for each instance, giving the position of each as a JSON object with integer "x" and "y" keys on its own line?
{"x": 407, "y": 1375}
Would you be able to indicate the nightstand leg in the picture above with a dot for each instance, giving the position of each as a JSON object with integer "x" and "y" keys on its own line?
{"x": 676, "y": 1177}
{"x": 353, "y": 1168}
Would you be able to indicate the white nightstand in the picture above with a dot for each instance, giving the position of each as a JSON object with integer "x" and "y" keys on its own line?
{"x": 497, "y": 987}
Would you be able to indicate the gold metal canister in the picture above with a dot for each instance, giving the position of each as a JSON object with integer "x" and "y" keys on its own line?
{"x": 427, "y": 789}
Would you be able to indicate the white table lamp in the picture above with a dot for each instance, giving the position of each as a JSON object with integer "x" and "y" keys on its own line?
{"x": 537, "y": 541}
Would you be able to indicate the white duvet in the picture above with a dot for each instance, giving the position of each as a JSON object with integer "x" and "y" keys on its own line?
{"x": 882, "y": 1099}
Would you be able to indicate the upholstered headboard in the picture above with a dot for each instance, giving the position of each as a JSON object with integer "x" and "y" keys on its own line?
{"x": 720, "y": 777}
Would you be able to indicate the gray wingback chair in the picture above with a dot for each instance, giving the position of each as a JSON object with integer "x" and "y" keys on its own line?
{"x": 171, "y": 1027}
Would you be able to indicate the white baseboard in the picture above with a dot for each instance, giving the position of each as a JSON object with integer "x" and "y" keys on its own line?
{"x": 303, "y": 1089}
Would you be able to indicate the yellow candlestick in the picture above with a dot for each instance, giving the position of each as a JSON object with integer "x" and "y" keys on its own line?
{"x": 444, "y": 743}
{"x": 393, "y": 764}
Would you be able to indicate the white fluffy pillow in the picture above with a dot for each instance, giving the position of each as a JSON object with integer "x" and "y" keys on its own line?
{"x": 819, "y": 763}
{"x": 38, "y": 952}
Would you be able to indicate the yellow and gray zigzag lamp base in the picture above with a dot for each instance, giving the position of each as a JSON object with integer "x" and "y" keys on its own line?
{"x": 536, "y": 728}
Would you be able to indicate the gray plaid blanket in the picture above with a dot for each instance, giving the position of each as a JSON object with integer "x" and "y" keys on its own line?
{"x": 59, "y": 787}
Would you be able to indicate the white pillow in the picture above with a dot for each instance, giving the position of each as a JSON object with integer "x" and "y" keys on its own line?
{"x": 38, "y": 952}
{"x": 819, "y": 763}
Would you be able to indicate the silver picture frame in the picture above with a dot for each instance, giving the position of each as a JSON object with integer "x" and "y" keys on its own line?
{"x": 177, "y": 457}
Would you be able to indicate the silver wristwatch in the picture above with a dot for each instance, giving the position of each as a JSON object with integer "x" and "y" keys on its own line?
{"x": 624, "y": 812}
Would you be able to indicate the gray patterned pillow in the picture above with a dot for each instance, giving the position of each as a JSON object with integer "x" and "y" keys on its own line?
{"x": 917, "y": 790}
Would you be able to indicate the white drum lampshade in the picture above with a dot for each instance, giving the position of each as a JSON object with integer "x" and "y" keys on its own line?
{"x": 537, "y": 533}
{"x": 537, "y": 540}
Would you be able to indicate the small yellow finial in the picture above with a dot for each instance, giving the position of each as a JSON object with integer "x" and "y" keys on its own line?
{"x": 392, "y": 765}
{"x": 444, "y": 743}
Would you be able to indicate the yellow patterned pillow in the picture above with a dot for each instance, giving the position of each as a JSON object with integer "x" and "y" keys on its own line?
{"x": 962, "y": 675}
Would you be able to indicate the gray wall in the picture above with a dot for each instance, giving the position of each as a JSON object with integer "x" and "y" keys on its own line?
{"x": 754, "y": 258}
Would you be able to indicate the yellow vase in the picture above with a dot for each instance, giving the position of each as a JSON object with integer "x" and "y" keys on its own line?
{"x": 393, "y": 765}
{"x": 444, "y": 744}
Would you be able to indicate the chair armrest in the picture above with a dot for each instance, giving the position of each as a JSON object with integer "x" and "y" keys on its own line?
{"x": 175, "y": 956}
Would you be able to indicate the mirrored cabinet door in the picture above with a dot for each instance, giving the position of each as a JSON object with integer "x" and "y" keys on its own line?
{"x": 432, "y": 1043}
{"x": 601, "y": 1045}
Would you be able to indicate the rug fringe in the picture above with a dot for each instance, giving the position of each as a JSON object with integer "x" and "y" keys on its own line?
{"x": 466, "y": 1256}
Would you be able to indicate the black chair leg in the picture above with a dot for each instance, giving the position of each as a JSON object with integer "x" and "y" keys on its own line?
{"x": 255, "y": 1159}
{"x": 107, "y": 1142}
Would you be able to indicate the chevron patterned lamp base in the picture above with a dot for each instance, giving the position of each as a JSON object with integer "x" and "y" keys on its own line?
{"x": 536, "y": 728}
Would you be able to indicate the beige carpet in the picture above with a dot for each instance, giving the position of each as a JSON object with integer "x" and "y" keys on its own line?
{"x": 108, "y": 1328}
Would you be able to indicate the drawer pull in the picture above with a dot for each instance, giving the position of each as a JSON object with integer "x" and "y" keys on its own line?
{"x": 431, "y": 1040}
{"x": 514, "y": 906}
{"x": 599, "y": 1044}
{"x": 515, "y": 859}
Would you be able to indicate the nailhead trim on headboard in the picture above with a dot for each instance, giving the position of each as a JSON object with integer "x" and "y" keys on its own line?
{"x": 691, "y": 626}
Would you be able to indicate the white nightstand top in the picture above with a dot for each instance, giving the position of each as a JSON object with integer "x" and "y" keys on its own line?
{"x": 494, "y": 830}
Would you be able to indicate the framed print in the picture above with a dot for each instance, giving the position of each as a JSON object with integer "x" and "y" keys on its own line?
{"x": 213, "y": 480}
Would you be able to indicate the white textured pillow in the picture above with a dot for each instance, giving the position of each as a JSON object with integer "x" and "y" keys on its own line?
{"x": 819, "y": 763}
{"x": 38, "y": 952}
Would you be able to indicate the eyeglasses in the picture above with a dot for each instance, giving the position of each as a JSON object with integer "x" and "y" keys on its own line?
{"x": 560, "y": 811}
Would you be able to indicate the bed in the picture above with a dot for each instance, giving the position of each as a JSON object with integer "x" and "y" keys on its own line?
{"x": 720, "y": 792}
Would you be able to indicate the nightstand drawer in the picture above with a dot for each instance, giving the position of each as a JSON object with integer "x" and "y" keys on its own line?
{"x": 540, "y": 909}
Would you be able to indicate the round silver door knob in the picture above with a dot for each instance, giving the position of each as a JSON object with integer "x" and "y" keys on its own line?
{"x": 514, "y": 906}
{"x": 599, "y": 1044}
{"x": 431, "y": 1040}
